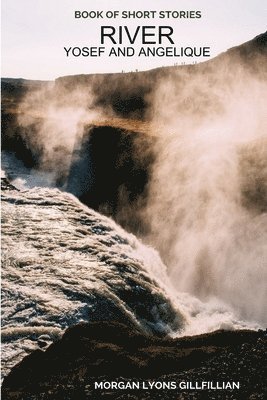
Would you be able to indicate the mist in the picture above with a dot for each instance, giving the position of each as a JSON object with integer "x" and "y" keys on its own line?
{"x": 207, "y": 197}
{"x": 192, "y": 183}
{"x": 53, "y": 123}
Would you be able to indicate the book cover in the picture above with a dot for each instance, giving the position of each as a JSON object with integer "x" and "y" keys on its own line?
{"x": 134, "y": 199}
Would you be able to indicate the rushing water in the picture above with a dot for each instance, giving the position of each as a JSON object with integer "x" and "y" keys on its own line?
{"x": 64, "y": 263}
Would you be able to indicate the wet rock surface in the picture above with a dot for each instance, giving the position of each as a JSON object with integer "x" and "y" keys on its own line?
{"x": 113, "y": 352}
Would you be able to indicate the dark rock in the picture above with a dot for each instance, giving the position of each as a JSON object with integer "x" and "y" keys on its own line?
{"x": 6, "y": 185}
{"x": 113, "y": 352}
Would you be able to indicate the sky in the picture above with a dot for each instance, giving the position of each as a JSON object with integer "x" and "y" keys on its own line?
{"x": 35, "y": 32}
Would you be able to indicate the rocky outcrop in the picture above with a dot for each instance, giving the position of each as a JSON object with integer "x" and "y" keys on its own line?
{"x": 103, "y": 351}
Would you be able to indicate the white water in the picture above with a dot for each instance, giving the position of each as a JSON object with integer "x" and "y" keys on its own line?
{"x": 64, "y": 263}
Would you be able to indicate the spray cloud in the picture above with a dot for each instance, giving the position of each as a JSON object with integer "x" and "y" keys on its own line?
{"x": 53, "y": 122}
{"x": 208, "y": 194}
